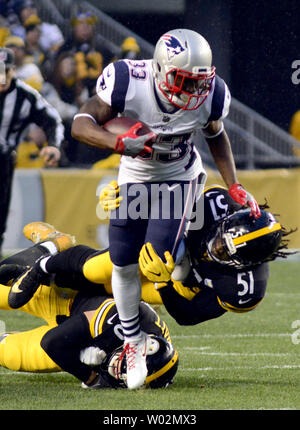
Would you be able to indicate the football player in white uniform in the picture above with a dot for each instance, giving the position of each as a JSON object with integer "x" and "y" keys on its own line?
{"x": 174, "y": 94}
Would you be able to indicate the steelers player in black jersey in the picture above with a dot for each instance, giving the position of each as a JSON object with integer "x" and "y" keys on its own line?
{"x": 225, "y": 263}
{"x": 82, "y": 334}
{"x": 89, "y": 344}
{"x": 225, "y": 267}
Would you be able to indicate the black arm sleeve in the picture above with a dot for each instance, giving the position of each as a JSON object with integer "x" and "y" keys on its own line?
{"x": 64, "y": 342}
{"x": 204, "y": 306}
{"x": 108, "y": 341}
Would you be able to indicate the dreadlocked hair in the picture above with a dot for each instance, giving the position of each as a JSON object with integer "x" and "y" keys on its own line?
{"x": 265, "y": 206}
{"x": 282, "y": 251}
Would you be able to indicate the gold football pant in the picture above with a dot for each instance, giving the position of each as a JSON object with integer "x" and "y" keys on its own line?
{"x": 22, "y": 351}
{"x": 98, "y": 269}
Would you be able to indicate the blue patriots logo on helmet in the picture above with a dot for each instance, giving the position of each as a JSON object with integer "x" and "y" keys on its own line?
{"x": 173, "y": 45}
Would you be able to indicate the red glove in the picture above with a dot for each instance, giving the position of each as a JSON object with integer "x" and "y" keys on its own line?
{"x": 241, "y": 196}
{"x": 131, "y": 144}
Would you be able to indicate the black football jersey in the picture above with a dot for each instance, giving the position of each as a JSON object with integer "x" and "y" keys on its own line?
{"x": 217, "y": 288}
{"x": 107, "y": 330}
{"x": 217, "y": 204}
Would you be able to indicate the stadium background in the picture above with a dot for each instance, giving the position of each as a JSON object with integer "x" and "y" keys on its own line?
{"x": 253, "y": 47}
{"x": 254, "y": 43}
{"x": 239, "y": 362}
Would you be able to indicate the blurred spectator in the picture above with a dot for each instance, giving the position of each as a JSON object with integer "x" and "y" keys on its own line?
{"x": 29, "y": 72}
{"x": 73, "y": 94}
{"x": 4, "y": 29}
{"x": 295, "y": 131}
{"x": 78, "y": 65}
{"x": 66, "y": 82}
{"x": 130, "y": 49}
{"x": 34, "y": 52}
{"x": 31, "y": 75}
{"x": 90, "y": 57}
{"x": 12, "y": 19}
{"x": 51, "y": 36}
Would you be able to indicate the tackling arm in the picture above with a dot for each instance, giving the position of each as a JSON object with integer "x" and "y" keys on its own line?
{"x": 63, "y": 344}
{"x": 220, "y": 148}
{"x": 204, "y": 306}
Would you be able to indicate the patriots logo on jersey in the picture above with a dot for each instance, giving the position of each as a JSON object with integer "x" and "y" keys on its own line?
{"x": 173, "y": 45}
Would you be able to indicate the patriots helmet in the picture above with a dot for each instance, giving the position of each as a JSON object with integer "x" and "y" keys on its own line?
{"x": 240, "y": 240}
{"x": 182, "y": 68}
{"x": 161, "y": 361}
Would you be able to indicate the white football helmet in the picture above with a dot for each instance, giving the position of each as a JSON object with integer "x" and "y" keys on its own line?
{"x": 182, "y": 68}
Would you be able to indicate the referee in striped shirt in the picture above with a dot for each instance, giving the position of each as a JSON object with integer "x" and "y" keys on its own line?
{"x": 20, "y": 105}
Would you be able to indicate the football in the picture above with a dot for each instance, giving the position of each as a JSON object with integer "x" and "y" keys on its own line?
{"x": 120, "y": 125}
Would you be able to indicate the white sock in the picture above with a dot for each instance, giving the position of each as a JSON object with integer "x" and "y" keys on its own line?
{"x": 43, "y": 264}
{"x": 126, "y": 287}
{"x": 50, "y": 246}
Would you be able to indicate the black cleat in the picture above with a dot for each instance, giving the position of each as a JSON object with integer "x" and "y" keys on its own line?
{"x": 10, "y": 272}
{"x": 25, "y": 286}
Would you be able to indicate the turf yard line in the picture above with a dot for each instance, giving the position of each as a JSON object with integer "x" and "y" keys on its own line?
{"x": 287, "y": 294}
{"x": 241, "y": 354}
{"x": 236, "y": 335}
{"x": 275, "y": 366}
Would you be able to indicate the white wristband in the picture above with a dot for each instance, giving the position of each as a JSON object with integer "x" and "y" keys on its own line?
{"x": 87, "y": 115}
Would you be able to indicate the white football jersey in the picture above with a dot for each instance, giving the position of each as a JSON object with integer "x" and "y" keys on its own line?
{"x": 128, "y": 87}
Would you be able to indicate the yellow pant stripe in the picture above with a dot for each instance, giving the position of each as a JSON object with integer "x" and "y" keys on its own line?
{"x": 96, "y": 324}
